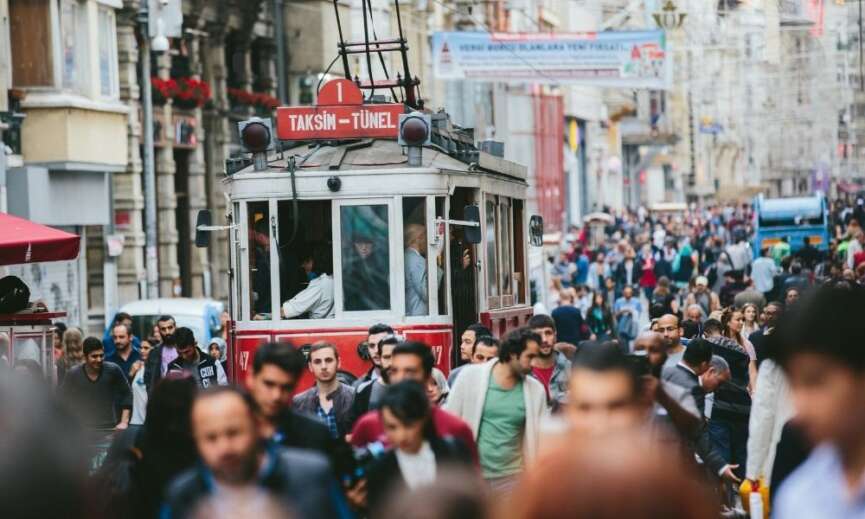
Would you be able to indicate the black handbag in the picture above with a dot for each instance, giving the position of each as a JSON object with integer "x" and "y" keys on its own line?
{"x": 14, "y": 295}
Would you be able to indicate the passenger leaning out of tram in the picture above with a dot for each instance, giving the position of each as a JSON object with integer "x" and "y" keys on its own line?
{"x": 316, "y": 300}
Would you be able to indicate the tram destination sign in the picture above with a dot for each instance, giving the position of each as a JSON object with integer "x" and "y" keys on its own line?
{"x": 339, "y": 114}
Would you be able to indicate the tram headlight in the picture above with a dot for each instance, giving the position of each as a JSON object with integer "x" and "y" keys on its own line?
{"x": 256, "y": 135}
{"x": 414, "y": 129}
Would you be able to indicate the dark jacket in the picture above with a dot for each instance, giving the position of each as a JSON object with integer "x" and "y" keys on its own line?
{"x": 361, "y": 406}
{"x": 208, "y": 371}
{"x": 732, "y": 400}
{"x": 153, "y": 368}
{"x": 300, "y": 480}
{"x": 384, "y": 476}
{"x": 299, "y": 431}
{"x": 570, "y": 326}
{"x": 701, "y": 442}
{"x": 342, "y": 398}
{"x": 622, "y": 278}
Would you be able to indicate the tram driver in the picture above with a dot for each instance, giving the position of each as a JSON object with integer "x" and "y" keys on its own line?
{"x": 316, "y": 300}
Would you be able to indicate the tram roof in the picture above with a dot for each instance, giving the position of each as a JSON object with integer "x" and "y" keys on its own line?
{"x": 385, "y": 154}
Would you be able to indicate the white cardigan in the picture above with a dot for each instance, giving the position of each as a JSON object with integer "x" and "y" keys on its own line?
{"x": 467, "y": 396}
{"x": 771, "y": 408}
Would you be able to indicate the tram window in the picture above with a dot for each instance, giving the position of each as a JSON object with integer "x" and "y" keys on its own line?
{"x": 305, "y": 254}
{"x": 365, "y": 257}
{"x": 259, "y": 260}
{"x": 505, "y": 252}
{"x": 415, "y": 254}
{"x": 519, "y": 252}
{"x": 491, "y": 266}
{"x": 441, "y": 259}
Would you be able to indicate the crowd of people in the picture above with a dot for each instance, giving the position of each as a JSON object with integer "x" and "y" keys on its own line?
{"x": 670, "y": 374}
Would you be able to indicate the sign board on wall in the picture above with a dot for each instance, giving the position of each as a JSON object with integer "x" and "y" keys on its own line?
{"x": 339, "y": 114}
{"x": 628, "y": 59}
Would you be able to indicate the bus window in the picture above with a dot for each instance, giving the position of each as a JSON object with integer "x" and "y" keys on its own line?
{"x": 259, "y": 260}
{"x": 305, "y": 253}
{"x": 415, "y": 253}
{"x": 492, "y": 265}
{"x": 365, "y": 257}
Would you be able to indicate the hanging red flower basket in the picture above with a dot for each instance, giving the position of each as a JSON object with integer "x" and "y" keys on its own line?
{"x": 256, "y": 99}
{"x": 186, "y": 92}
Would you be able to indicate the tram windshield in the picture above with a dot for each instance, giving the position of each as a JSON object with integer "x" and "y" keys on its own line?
{"x": 365, "y": 257}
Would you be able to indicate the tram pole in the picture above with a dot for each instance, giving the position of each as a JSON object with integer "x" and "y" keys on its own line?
{"x": 151, "y": 260}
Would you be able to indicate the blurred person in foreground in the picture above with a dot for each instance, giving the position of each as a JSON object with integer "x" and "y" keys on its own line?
{"x": 43, "y": 454}
{"x": 143, "y": 460}
{"x": 236, "y": 462}
{"x": 276, "y": 370}
{"x": 413, "y": 361}
{"x": 456, "y": 494}
{"x": 418, "y": 454}
{"x": 624, "y": 476}
{"x": 821, "y": 351}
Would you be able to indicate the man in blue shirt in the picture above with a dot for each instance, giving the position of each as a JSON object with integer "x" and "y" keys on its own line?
{"x": 821, "y": 349}
{"x": 125, "y": 355}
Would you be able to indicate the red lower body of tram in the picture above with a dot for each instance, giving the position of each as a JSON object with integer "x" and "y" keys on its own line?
{"x": 438, "y": 336}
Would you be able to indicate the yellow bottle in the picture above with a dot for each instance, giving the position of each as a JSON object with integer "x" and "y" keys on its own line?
{"x": 755, "y": 495}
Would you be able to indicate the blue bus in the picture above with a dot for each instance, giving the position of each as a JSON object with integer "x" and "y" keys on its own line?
{"x": 793, "y": 218}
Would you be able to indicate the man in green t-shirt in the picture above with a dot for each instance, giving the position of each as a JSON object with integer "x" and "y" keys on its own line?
{"x": 504, "y": 407}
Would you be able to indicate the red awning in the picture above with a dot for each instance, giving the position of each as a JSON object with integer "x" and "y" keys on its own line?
{"x": 22, "y": 241}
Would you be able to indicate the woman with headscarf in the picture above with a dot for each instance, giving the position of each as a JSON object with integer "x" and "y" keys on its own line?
{"x": 437, "y": 388}
{"x": 216, "y": 348}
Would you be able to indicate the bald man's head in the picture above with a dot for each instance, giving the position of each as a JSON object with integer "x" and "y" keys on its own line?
{"x": 670, "y": 327}
{"x": 655, "y": 346}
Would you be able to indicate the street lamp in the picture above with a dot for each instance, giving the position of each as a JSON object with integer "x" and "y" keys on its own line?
{"x": 158, "y": 20}
{"x": 669, "y": 17}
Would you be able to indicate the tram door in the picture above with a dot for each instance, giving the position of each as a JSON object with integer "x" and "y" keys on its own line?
{"x": 463, "y": 263}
